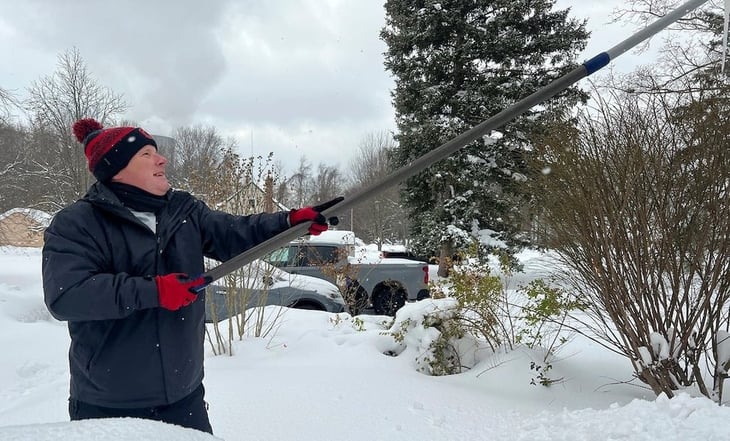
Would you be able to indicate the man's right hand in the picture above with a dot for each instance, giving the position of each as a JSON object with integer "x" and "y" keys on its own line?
{"x": 173, "y": 290}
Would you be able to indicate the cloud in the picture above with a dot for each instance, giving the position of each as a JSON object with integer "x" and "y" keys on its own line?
{"x": 304, "y": 76}
{"x": 293, "y": 77}
{"x": 163, "y": 55}
{"x": 305, "y": 61}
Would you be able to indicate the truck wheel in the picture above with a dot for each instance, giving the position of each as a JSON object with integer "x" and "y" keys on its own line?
{"x": 388, "y": 298}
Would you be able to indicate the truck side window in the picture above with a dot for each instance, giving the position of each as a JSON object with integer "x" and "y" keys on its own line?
{"x": 322, "y": 255}
{"x": 300, "y": 257}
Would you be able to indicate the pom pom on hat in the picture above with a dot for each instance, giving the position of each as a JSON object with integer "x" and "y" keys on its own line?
{"x": 83, "y": 127}
{"x": 108, "y": 151}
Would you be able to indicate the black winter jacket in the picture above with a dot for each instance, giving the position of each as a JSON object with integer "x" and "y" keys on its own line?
{"x": 99, "y": 263}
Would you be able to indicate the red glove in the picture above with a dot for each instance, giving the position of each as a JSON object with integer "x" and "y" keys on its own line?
{"x": 174, "y": 292}
{"x": 313, "y": 214}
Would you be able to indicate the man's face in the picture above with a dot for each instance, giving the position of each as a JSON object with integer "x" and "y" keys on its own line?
{"x": 146, "y": 171}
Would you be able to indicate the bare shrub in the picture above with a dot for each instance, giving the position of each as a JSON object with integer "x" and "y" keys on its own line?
{"x": 245, "y": 309}
{"x": 637, "y": 205}
{"x": 502, "y": 315}
{"x": 235, "y": 189}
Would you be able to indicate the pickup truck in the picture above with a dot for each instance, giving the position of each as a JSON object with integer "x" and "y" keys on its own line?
{"x": 369, "y": 284}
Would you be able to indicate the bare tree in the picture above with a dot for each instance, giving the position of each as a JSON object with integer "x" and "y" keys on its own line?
{"x": 691, "y": 48}
{"x": 13, "y": 167}
{"x": 55, "y": 103}
{"x": 301, "y": 183}
{"x": 328, "y": 184}
{"x": 195, "y": 158}
{"x": 382, "y": 217}
{"x": 303, "y": 187}
{"x": 8, "y": 101}
{"x": 637, "y": 202}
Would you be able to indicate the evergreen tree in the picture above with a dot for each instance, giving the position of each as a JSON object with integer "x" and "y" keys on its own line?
{"x": 456, "y": 63}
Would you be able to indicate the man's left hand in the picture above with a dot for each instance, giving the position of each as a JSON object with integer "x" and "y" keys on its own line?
{"x": 314, "y": 214}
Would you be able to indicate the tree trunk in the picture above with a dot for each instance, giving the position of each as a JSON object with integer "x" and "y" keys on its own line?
{"x": 445, "y": 258}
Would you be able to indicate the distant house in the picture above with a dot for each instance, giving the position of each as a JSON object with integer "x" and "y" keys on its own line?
{"x": 23, "y": 227}
{"x": 253, "y": 198}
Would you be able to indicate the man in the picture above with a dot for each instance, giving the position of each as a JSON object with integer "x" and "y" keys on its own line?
{"x": 116, "y": 266}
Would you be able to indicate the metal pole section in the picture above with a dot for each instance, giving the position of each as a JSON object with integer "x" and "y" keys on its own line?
{"x": 445, "y": 150}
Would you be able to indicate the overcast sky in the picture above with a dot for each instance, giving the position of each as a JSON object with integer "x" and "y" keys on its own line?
{"x": 295, "y": 77}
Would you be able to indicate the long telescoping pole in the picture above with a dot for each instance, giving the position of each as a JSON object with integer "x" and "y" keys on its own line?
{"x": 448, "y": 148}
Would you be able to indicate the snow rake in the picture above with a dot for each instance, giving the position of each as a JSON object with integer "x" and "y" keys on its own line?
{"x": 483, "y": 129}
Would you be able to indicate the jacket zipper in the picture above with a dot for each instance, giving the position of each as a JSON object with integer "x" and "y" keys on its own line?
{"x": 158, "y": 252}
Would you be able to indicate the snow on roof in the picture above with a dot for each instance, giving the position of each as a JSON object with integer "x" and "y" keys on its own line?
{"x": 337, "y": 236}
{"x": 393, "y": 247}
{"x": 39, "y": 216}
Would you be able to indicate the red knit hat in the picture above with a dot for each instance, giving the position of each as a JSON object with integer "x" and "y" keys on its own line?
{"x": 109, "y": 150}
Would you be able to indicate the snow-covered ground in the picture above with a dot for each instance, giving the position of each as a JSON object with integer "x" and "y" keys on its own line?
{"x": 321, "y": 377}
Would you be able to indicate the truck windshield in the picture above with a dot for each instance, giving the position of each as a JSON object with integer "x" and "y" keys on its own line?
{"x": 280, "y": 257}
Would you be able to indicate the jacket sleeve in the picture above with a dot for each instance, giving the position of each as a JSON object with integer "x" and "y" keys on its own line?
{"x": 75, "y": 286}
{"x": 226, "y": 236}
